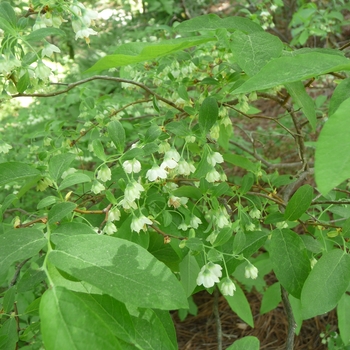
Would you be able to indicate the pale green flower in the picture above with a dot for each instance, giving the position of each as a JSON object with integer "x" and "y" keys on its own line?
{"x": 209, "y": 275}
{"x": 132, "y": 166}
{"x": 97, "y": 187}
{"x": 139, "y": 223}
{"x": 227, "y": 287}
{"x": 104, "y": 174}
{"x": 156, "y": 172}
{"x": 49, "y": 49}
{"x": 109, "y": 228}
{"x": 4, "y": 147}
{"x": 251, "y": 271}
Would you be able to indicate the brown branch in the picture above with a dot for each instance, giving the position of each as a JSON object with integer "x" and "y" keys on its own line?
{"x": 291, "y": 321}
{"x": 217, "y": 318}
{"x": 17, "y": 272}
{"x": 155, "y": 228}
{"x": 103, "y": 77}
{"x": 263, "y": 160}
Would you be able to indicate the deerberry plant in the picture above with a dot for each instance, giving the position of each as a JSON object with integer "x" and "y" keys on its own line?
{"x": 152, "y": 175}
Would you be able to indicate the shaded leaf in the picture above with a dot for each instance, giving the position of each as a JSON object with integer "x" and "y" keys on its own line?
{"x": 59, "y": 211}
{"x": 120, "y": 268}
{"x": 326, "y": 284}
{"x": 299, "y": 203}
{"x": 15, "y": 171}
{"x": 208, "y": 114}
{"x": 60, "y": 163}
{"x": 332, "y": 158}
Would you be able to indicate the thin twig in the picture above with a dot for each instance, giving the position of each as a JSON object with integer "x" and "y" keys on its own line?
{"x": 217, "y": 318}
{"x": 263, "y": 160}
{"x": 103, "y": 77}
{"x": 17, "y": 271}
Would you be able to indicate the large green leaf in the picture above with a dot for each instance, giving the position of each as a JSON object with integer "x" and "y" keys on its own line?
{"x": 60, "y": 163}
{"x": 71, "y": 320}
{"x": 289, "y": 259}
{"x": 340, "y": 94}
{"x": 332, "y": 158}
{"x": 343, "y": 312}
{"x": 189, "y": 271}
{"x": 117, "y": 133}
{"x": 119, "y": 268}
{"x": 138, "y": 52}
{"x": 8, "y": 334}
{"x": 326, "y": 283}
{"x": 289, "y": 69}
{"x": 155, "y": 330}
{"x": 303, "y": 100}
{"x": 208, "y": 114}
{"x": 271, "y": 298}
{"x": 74, "y": 179}
{"x": 213, "y": 22}
{"x": 42, "y": 33}
{"x": 240, "y": 305}
{"x": 299, "y": 203}
{"x": 15, "y": 171}
{"x": 19, "y": 244}
{"x": 253, "y": 51}
{"x": 59, "y": 211}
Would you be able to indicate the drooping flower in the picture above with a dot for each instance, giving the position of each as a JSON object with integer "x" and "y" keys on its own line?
{"x": 156, "y": 172}
{"x": 212, "y": 176}
{"x": 43, "y": 184}
{"x": 133, "y": 191}
{"x": 114, "y": 214}
{"x": 209, "y": 275}
{"x": 214, "y": 158}
{"x": 132, "y": 166}
{"x": 185, "y": 168}
{"x": 97, "y": 187}
{"x": 255, "y": 213}
{"x": 109, "y": 228}
{"x": 139, "y": 223}
{"x": 42, "y": 71}
{"x": 222, "y": 218}
{"x": 49, "y": 49}
{"x": 227, "y": 287}
{"x": 176, "y": 202}
{"x": 104, "y": 174}
{"x": 4, "y": 147}
{"x": 171, "y": 157}
{"x": 84, "y": 33}
{"x": 251, "y": 271}
{"x": 89, "y": 16}
{"x": 195, "y": 221}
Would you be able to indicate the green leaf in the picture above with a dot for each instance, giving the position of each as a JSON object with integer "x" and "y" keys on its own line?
{"x": 7, "y": 13}
{"x": 240, "y": 305}
{"x": 188, "y": 191}
{"x": 247, "y": 183}
{"x": 117, "y": 133}
{"x": 340, "y": 94}
{"x": 73, "y": 179}
{"x": 213, "y": 22}
{"x": 98, "y": 149}
{"x": 8, "y": 334}
{"x": 246, "y": 343}
{"x": 252, "y": 51}
{"x": 289, "y": 69}
{"x": 19, "y": 244}
{"x": 343, "y": 313}
{"x": 189, "y": 271}
{"x": 299, "y": 203}
{"x": 289, "y": 259}
{"x": 240, "y": 161}
{"x": 42, "y": 33}
{"x": 121, "y": 269}
{"x": 74, "y": 228}
{"x": 138, "y": 52}
{"x": 178, "y": 128}
{"x": 155, "y": 327}
{"x": 59, "y": 211}
{"x": 303, "y": 100}
{"x": 332, "y": 158}
{"x": 8, "y": 299}
{"x": 60, "y": 163}
{"x": 71, "y": 320}
{"x": 208, "y": 114}
{"x": 46, "y": 202}
{"x": 15, "y": 171}
{"x": 271, "y": 298}
{"x": 326, "y": 284}
{"x": 23, "y": 82}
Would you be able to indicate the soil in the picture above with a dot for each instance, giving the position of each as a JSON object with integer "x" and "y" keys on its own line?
{"x": 199, "y": 332}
